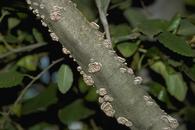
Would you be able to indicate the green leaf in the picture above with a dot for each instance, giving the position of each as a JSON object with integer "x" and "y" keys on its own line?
{"x": 176, "y": 86}
{"x": 91, "y": 95}
{"x": 43, "y": 126}
{"x": 22, "y": 15}
{"x": 3, "y": 49}
{"x": 119, "y": 33}
{"x": 128, "y": 49}
{"x": 176, "y": 44}
{"x": 125, "y": 4}
{"x": 64, "y": 78}
{"x": 163, "y": 96}
{"x": 9, "y": 126}
{"x": 134, "y": 16}
{"x": 121, "y": 4}
{"x": 37, "y": 35}
{"x": 29, "y": 62}
{"x": 189, "y": 71}
{"x": 152, "y": 27}
{"x": 119, "y": 30}
{"x": 22, "y": 35}
{"x": 11, "y": 38}
{"x": 87, "y": 7}
{"x": 10, "y": 79}
{"x": 39, "y": 103}
{"x": 159, "y": 91}
{"x": 190, "y": 2}
{"x": 189, "y": 113}
{"x": 186, "y": 28}
{"x": 16, "y": 109}
{"x": 3, "y": 14}
{"x": 13, "y": 22}
{"x": 82, "y": 86}
{"x": 160, "y": 68}
{"x": 174, "y": 23}
{"x": 74, "y": 112}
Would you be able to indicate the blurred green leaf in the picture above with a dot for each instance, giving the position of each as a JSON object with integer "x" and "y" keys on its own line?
{"x": 119, "y": 30}
{"x": 127, "y": 49}
{"x": 155, "y": 88}
{"x": 160, "y": 92}
{"x": 87, "y": 7}
{"x": 29, "y": 62}
{"x": 160, "y": 68}
{"x": 37, "y": 35}
{"x": 190, "y": 2}
{"x": 176, "y": 86}
{"x": 3, "y": 14}
{"x": 134, "y": 16}
{"x": 153, "y": 50}
{"x": 16, "y": 109}
{"x": 125, "y": 4}
{"x": 13, "y": 22}
{"x": 74, "y": 112}
{"x": 186, "y": 28}
{"x": 43, "y": 126}
{"x": 176, "y": 44}
{"x": 9, "y": 126}
{"x": 10, "y": 79}
{"x": 11, "y": 38}
{"x": 2, "y": 49}
{"x": 174, "y": 63}
{"x": 64, "y": 78}
{"x": 40, "y": 102}
{"x": 121, "y": 4}
{"x": 189, "y": 113}
{"x": 189, "y": 71}
{"x": 22, "y": 15}
{"x": 152, "y": 27}
{"x": 174, "y": 23}
{"x": 163, "y": 96}
{"x": 91, "y": 95}
{"x": 82, "y": 86}
{"x": 22, "y": 35}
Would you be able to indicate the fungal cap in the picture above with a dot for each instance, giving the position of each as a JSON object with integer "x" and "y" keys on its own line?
{"x": 138, "y": 80}
{"x": 102, "y": 91}
{"x": 94, "y": 67}
{"x": 108, "y": 98}
{"x": 95, "y": 25}
{"x": 123, "y": 70}
{"x": 88, "y": 80}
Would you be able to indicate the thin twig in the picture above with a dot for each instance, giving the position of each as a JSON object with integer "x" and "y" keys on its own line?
{"x": 146, "y": 11}
{"x": 7, "y": 45}
{"x": 34, "y": 79}
{"x": 103, "y": 19}
{"x": 22, "y": 49}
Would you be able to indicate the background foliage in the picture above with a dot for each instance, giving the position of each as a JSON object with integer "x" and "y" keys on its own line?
{"x": 159, "y": 46}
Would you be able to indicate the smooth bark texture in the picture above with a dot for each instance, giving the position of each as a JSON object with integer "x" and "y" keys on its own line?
{"x": 86, "y": 43}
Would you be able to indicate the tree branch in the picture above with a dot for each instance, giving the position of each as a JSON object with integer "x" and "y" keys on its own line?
{"x": 31, "y": 83}
{"x": 22, "y": 49}
{"x": 103, "y": 19}
{"x": 121, "y": 95}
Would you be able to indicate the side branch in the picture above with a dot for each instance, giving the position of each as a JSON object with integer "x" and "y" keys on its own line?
{"x": 121, "y": 96}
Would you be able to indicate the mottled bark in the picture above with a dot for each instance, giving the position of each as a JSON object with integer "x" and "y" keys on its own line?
{"x": 125, "y": 99}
